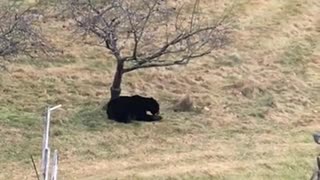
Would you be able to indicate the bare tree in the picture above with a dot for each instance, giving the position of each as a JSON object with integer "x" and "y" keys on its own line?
{"x": 149, "y": 33}
{"x": 19, "y": 33}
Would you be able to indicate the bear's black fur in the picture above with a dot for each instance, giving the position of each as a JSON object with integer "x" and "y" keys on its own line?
{"x": 126, "y": 108}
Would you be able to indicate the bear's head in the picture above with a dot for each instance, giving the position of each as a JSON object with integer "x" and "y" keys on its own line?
{"x": 153, "y": 106}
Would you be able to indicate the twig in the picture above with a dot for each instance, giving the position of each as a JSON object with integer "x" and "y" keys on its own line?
{"x": 35, "y": 167}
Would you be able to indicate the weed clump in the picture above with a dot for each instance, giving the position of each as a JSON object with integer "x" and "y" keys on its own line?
{"x": 184, "y": 104}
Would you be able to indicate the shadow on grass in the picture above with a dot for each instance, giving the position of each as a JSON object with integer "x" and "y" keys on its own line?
{"x": 90, "y": 118}
{"x": 94, "y": 118}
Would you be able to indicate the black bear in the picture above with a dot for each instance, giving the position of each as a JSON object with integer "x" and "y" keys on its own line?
{"x": 126, "y": 108}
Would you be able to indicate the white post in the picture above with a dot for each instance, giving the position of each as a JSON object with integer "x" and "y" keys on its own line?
{"x": 54, "y": 175}
{"x": 54, "y": 108}
{"x": 46, "y": 125}
{"x": 47, "y": 162}
{"x": 47, "y": 128}
{"x": 43, "y": 144}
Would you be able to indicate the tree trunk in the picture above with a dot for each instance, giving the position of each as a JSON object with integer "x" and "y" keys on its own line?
{"x": 116, "y": 84}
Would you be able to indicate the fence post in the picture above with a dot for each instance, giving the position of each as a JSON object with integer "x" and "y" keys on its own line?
{"x": 46, "y": 126}
{"x": 45, "y": 161}
{"x": 54, "y": 172}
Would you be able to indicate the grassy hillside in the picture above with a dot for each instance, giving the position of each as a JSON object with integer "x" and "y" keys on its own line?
{"x": 257, "y": 104}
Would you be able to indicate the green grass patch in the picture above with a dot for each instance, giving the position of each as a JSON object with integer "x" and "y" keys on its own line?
{"x": 89, "y": 118}
{"x": 231, "y": 60}
{"x": 260, "y": 106}
{"x": 256, "y": 104}
{"x": 297, "y": 55}
{"x": 106, "y": 65}
{"x": 18, "y": 119}
{"x": 22, "y": 135}
{"x": 48, "y": 62}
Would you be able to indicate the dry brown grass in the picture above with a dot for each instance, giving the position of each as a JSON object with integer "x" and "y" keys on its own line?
{"x": 256, "y": 105}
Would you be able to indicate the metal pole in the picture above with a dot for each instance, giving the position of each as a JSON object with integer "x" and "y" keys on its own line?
{"x": 54, "y": 175}
{"x": 47, "y": 162}
{"x": 55, "y": 107}
{"x": 47, "y": 128}
{"x": 46, "y": 123}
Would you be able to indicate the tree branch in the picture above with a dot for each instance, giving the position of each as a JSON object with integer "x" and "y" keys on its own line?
{"x": 151, "y": 33}
{"x": 176, "y": 40}
{"x": 185, "y": 60}
{"x": 19, "y": 35}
